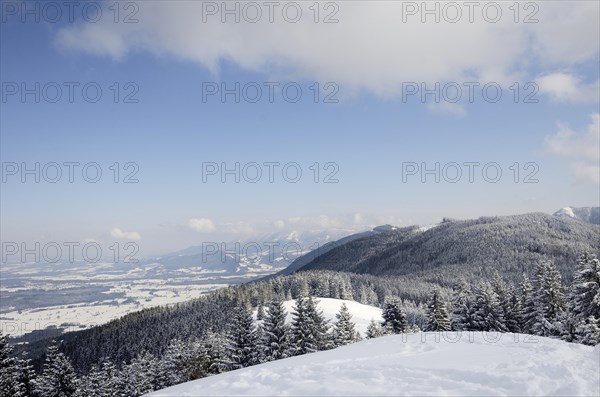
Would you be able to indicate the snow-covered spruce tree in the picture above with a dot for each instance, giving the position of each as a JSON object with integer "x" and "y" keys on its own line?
{"x": 320, "y": 325}
{"x": 554, "y": 293}
{"x": 112, "y": 379}
{"x": 9, "y": 384}
{"x": 259, "y": 334}
{"x": 374, "y": 330}
{"x": 138, "y": 376}
{"x": 588, "y": 332}
{"x": 242, "y": 343}
{"x": 437, "y": 315}
{"x": 394, "y": 320}
{"x": 462, "y": 308}
{"x": 549, "y": 300}
{"x": 528, "y": 306}
{"x": 508, "y": 303}
{"x": 584, "y": 301}
{"x": 25, "y": 376}
{"x": 92, "y": 385}
{"x": 260, "y": 312}
{"x": 175, "y": 366}
{"x": 208, "y": 355}
{"x": 488, "y": 314}
{"x": 309, "y": 327}
{"x": 344, "y": 330}
{"x": 105, "y": 381}
{"x": 543, "y": 310}
{"x": 275, "y": 342}
{"x": 567, "y": 327}
{"x": 58, "y": 376}
{"x": 300, "y": 287}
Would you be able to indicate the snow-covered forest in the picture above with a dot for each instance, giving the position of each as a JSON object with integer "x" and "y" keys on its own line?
{"x": 540, "y": 305}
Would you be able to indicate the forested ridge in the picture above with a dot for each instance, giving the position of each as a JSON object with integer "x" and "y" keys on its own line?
{"x": 511, "y": 245}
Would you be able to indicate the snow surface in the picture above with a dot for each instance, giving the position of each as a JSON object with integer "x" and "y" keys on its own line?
{"x": 568, "y": 211}
{"x": 467, "y": 364}
{"x": 361, "y": 314}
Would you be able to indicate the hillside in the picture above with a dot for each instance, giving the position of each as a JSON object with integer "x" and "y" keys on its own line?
{"x": 508, "y": 244}
{"x": 584, "y": 214}
{"x": 415, "y": 364}
{"x": 302, "y": 260}
{"x": 361, "y": 314}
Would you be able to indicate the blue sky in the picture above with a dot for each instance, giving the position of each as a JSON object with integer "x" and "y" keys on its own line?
{"x": 369, "y": 133}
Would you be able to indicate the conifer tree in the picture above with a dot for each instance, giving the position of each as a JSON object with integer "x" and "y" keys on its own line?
{"x": 437, "y": 315}
{"x": 211, "y": 356}
{"x": 242, "y": 343}
{"x": 508, "y": 303}
{"x": 260, "y": 312}
{"x": 344, "y": 331}
{"x": 548, "y": 300}
{"x": 138, "y": 376}
{"x": 584, "y": 300}
{"x": 528, "y": 306}
{"x": 394, "y": 320}
{"x": 588, "y": 332}
{"x": 9, "y": 386}
{"x": 175, "y": 365}
{"x": 462, "y": 308}
{"x": 25, "y": 377}
{"x": 488, "y": 314}
{"x": 58, "y": 376}
{"x": 374, "y": 330}
{"x": 275, "y": 341}
{"x": 309, "y": 327}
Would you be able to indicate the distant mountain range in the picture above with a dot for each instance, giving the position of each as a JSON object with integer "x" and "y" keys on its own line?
{"x": 260, "y": 254}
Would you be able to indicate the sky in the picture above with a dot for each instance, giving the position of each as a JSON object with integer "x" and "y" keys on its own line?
{"x": 136, "y": 118}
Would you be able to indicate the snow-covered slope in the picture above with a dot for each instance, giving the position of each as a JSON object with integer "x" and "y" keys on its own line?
{"x": 584, "y": 214}
{"x": 361, "y": 314}
{"x": 418, "y": 365}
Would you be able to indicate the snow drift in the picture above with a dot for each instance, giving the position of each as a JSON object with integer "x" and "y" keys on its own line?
{"x": 361, "y": 314}
{"x": 465, "y": 364}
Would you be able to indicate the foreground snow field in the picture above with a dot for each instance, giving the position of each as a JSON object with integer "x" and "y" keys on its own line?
{"x": 418, "y": 365}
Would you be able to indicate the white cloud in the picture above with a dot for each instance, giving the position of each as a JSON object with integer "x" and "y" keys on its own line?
{"x": 240, "y": 227}
{"x": 123, "y": 235}
{"x": 565, "y": 87}
{"x": 279, "y": 224}
{"x": 358, "y": 219}
{"x": 106, "y": 40}
{"x": 202, "y": 225}
{"x": 581, "y": 149}
{"x": 370, "y": 48}
{"x": 586, "y": 171}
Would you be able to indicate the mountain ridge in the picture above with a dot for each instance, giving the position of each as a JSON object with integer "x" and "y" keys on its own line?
{"x": 509, "y": 244}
